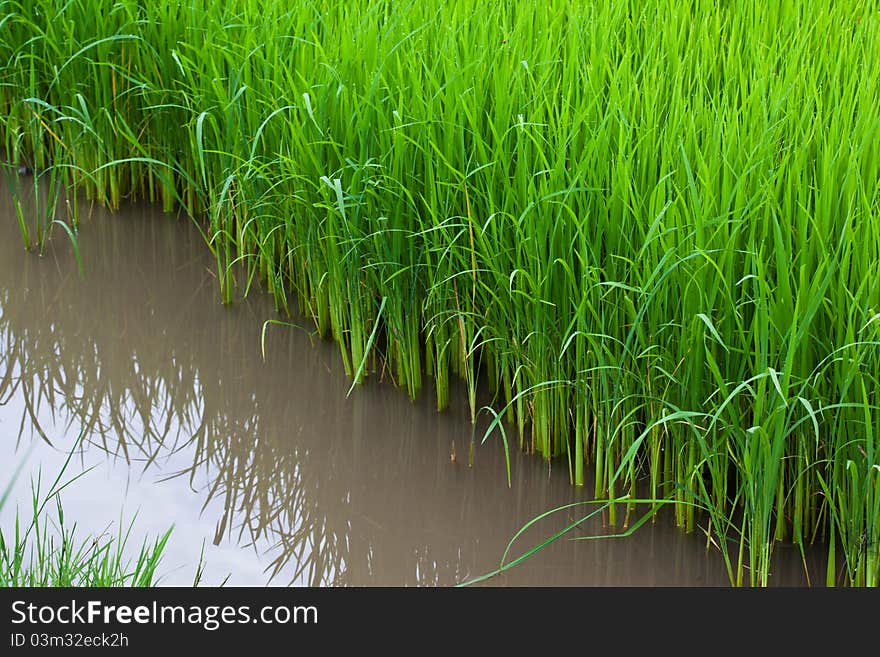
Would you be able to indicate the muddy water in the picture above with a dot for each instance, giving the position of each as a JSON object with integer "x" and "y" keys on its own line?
{"x": 266, "y": 465}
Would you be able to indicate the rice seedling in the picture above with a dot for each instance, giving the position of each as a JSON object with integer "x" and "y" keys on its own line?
{"x": 651, "y": 227}
{"x": 45, "y": 551}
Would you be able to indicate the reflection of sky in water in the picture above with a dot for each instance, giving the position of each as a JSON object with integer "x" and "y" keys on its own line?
{"x": 113, "y": 488}
{"x": 172, "y": 386}
{"x": 153, "y": 493}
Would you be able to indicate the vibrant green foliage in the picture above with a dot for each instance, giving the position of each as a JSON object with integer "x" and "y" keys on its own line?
{"x": 45, "y": 551}
{"x": 653, "y": 226}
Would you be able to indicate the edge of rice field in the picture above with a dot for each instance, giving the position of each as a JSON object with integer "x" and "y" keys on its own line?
{"x": 653, "y": 227}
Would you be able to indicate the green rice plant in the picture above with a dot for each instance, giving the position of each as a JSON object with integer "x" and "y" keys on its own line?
{"x": 651, "y": 228}
{"x": 50, "y": 553}
{"x": 45, "y": 551}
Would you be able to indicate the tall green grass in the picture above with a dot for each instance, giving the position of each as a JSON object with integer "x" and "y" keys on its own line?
{"x": 652, "y": 227}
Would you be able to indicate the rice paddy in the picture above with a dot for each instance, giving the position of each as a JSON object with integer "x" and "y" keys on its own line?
{"x": 652, "y": 229}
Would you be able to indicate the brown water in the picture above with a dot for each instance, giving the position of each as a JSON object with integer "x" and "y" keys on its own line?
{"x": 267, "y": 464}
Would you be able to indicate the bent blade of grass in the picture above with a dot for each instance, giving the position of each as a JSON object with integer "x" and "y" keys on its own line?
{"x": 543, "y": 544}
{"x": 360, "y": 368}
{"x": 74, "y": 242}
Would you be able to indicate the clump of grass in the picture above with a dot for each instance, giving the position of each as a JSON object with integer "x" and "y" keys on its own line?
{"x": 47, "y": 551}
{"x": 652, "y": 226}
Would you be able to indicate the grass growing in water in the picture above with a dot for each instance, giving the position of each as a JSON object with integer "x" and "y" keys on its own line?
{"x": 653, "y": 226}
{"x": 45, "y": 551}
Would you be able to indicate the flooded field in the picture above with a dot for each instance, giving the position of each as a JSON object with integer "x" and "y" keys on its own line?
{"x": 265, "y": 464}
